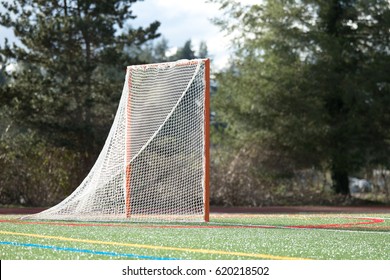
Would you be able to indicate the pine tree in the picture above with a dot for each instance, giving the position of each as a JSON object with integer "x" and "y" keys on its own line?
{"x": 185, "y": 52}
{"x": 71, "y": 62}
{"x": 203, "y": 50}
{"x": 308, "y": 81}
{"x": 61, "y": 99}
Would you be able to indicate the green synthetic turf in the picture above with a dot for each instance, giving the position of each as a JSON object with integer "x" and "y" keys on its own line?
{"x": 342, "y": 237}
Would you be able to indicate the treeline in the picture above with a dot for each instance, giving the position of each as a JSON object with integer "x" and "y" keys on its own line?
{"x": 60, "y": 86}
{"x": 306, "y": 100}
{"x": 300, "y": 111}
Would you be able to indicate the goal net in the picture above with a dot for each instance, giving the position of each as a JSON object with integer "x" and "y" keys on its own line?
{"x": 154, "y": 164}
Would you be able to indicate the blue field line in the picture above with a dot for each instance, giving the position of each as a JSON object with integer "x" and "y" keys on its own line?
{"x": 76, "y": 250}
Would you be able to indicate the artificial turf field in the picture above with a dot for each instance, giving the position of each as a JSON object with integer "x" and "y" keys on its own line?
{"x": 227, "y": 237}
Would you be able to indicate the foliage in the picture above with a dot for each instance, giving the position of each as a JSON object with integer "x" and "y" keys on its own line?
{"x": 158, "y": 51}
{"x": 152, "y": 52}
{"x": 25, "y": 182}
{"x": 72, "y": 65}
{"x": 308, "y": 83}
{"x": 185, "y": 52}
{"x": 64, "y": 92}
{"x": 2, "y": 76}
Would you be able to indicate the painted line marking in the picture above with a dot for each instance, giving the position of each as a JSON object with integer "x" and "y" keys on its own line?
{"x": 348, "y": 230}
{"x": 132, "y": 225}
{"x": 153, "y": 247}
{"x": 368, "y": 221}
{"x": 76, "y": 250}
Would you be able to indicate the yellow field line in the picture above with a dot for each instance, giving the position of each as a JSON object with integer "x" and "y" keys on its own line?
{"x": 202, "y": 251}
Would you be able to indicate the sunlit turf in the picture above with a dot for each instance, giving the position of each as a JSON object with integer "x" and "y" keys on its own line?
{"x": 345, "y": 236}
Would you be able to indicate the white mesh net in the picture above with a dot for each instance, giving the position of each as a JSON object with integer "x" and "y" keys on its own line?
{"x": 153, "y": 164}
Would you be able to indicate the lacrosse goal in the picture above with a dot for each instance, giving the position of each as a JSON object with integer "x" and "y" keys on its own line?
{"x": 154, "y": 165}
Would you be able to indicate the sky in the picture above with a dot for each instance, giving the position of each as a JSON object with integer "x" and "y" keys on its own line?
{"x": 180, "y": 20}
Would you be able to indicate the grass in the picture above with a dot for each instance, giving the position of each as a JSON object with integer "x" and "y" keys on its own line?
{"x": 233, "y": 236}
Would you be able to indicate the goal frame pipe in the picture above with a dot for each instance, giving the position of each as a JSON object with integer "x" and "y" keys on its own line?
{"x": 207, "y": 142}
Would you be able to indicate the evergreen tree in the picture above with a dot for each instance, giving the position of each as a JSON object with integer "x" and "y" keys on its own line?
{"x": 185, "y": 52}
{"x": 152, "y": 51}
{"x": 160, "y": 50}
{"x": 203, "y": 50}
{"x": 72, "y": 63}
{"x": 62, "y": 97}
{"x": 157, "y": 51}
{"x": 309, "y": 81}
{"x": 2, "y": 76}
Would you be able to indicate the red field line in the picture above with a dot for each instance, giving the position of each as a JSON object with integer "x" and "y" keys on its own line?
{"x": 252, "y": 210}
{"x": 132, "y": 225}
{"x": 367, "y": 221}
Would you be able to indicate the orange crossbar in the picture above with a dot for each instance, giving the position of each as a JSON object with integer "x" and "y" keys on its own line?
{"x": 183, "y": 62}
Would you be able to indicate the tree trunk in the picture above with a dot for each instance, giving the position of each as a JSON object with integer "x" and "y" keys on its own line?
{"x": 340, "y": 181}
